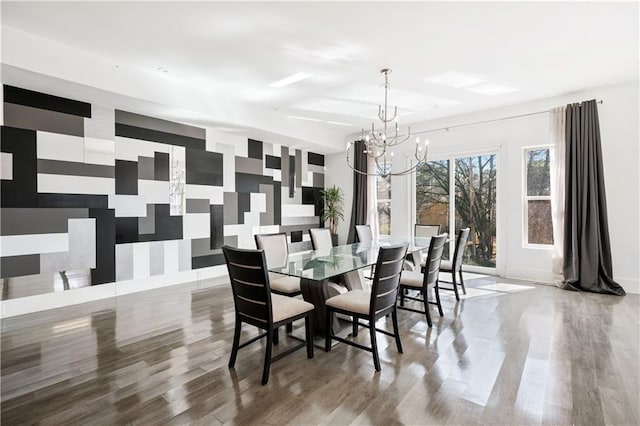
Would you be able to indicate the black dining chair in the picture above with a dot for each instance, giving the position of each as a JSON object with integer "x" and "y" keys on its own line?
{"x": 422, "y": 231}
{"x": 371, "y": 305}
{"x": 424, "y": 281}
{"x": 257, "y": 306}
{"x": 456, "y": 266}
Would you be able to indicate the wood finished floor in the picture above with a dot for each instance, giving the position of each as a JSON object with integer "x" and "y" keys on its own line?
{"x": 522, "y": 354}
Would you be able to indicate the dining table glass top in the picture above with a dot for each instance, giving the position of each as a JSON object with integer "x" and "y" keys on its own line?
{"x": 320, "y": 265}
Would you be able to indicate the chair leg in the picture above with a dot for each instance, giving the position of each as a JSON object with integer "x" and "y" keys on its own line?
{"x": 276, "y": 336}
{"x": 374, "y": 343}
{"x": 455, "y": 285}
{"x": 354, "y": 325}
{"x": 394, "y": 317}
{"x": 464, "y": 290}
{"x": 436, "y": 290}
{"x": 267, "y": 358}
{"x": 403, "y": 291}
{"x": 308, "y": 327}
{"x": 425, "y": 301}
{"x": 289, "y": 328}
{"x": 327, "y": 341}
{"x": 236, "y": 343}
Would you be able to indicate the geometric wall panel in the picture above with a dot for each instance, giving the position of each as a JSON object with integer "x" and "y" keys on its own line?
{"x": 90, "y": 187}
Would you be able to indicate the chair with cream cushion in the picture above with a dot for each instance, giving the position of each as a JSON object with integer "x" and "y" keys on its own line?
{"x": 320, "y": 239}
{"x": 423, "y": 231}
{"x": 276, "y": 251}
{"x": 423, "y": 282}
{"x": 371, "y": 305}
{"x": 364, "y": 234}
{"x": 456, "y": 265}
{"x": 255, "y": 305}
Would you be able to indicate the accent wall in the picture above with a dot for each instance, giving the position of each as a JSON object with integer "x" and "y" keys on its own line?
{"x": 124, "y": 196}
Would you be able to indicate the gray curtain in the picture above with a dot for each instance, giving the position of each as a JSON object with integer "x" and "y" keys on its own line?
{"x": 359, "y": 207}
{"x": 587, "y": 252}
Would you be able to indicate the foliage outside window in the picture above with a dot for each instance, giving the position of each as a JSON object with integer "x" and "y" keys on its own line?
{"x": 538, "y": 227}
{"x": 473, "y": 204}
{"x": 383, "y": 185}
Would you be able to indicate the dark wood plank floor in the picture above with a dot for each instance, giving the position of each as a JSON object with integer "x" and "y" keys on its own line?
{"x": 509, "y": 353}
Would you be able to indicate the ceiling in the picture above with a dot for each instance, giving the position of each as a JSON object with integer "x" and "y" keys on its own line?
{"x": 236, "y": 49}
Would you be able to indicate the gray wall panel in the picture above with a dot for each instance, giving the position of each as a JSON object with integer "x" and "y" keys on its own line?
{"x": 15, "y": 266}
{"x": 250, "y": 166}
{"x": 197, "y": 205}
{"x": 18, "y": 221}
{"x": 131, "y": 119}
{"x": 156, "y": 258}
{"x": 25, "y": 117}
{"x": 72, "y": 168}
{"x": 146, "y": 168}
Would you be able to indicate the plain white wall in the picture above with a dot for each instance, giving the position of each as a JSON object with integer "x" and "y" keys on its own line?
{"x": 619, "y": 123}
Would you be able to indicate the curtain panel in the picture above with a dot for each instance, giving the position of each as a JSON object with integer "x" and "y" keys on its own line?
{"x": 557, "y": 134}
{"x": 587, "y": 262}
{"x": 359, "y": 206}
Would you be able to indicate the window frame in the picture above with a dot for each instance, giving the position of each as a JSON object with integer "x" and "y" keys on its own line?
{"x": 526, "y": 198}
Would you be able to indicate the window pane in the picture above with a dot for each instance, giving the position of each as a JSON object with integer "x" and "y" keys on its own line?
{"x": 475, "y": 198}
{"x": 540, "y": 226}
{"x": 384, "y": 217}
{"x": 384, "y": 203}
{"x": 432, "y": 196}
{"x": 538, "y": 172}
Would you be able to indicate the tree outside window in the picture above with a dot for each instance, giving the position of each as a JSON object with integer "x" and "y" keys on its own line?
{"x": 538, "y": 227}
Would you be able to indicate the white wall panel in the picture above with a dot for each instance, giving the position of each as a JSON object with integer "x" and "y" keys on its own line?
{"x": 129, "y": 149}
{"x": 215, "y": 194}
{"x": 6, "y": 165}
{"x": 258, "y": 202}
{"x": 55, "y": 146}
{"x": 171, "y": 253}
{"x": 141, "y": 260}
{"x": 196, "y": 225}
{"x": 65, "y": 184}
{"x": 99, "y": 151}
{"x": 155, "y": 191}
{"x": 298, "y": 210}
{"x": 17, "y": 245}
{"x": 128, "y": 205}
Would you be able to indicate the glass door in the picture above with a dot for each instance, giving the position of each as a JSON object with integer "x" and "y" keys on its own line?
{"x": 462, "y": 196}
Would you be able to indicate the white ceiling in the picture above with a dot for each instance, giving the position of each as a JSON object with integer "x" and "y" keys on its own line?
{"x": 236, "y": 49}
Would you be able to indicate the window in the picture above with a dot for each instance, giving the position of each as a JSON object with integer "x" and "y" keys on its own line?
{"x": 538, "y": 228}
{"x": 464, "y": 196}
{"x": 383, "y": 185}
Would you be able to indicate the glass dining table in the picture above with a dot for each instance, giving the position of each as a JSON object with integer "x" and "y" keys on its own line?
{"x": 317, "y": 268}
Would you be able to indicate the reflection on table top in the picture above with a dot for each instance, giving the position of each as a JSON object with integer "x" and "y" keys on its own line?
{"x": 323, "y": 264}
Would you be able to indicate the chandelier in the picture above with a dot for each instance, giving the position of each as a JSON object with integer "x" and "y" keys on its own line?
{"x": 378, "y": 144}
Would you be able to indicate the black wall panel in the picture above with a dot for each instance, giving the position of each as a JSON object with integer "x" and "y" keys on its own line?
{"x": 16, "y": 95}
{"x": 126, "y": 177}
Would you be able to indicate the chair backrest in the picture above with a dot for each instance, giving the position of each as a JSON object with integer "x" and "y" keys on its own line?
{"x": 364, "y": 233}
{"x": 458, "y": 253}
{"x": 426, "y": 230}
{"x": 320, "y": 238}
{"x": 432, "y": 264}
{"x": 275, "y": 248}
{"x": 250, "y": 285}
{"x": 384, "y": 290}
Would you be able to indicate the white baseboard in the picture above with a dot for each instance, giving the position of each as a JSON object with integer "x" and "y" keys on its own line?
{"x": 204, "y": 278}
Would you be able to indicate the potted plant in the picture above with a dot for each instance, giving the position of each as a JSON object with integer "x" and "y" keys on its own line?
{"x": 333, "y": 210}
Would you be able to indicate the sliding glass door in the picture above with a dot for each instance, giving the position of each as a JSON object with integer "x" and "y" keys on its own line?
{"x": 460, "y": 196}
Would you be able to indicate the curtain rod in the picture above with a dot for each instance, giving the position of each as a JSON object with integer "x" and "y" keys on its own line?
{"x": 486, "y": 121}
